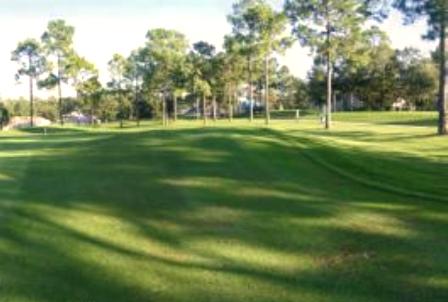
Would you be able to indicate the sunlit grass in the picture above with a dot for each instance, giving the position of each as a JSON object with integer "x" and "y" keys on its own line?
{"x": 227, "y": 212}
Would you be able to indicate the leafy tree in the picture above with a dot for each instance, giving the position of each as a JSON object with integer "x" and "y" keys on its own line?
{"x": 331, "y": 28}
{"x": 301, "y": 94}
{"x": 418, "y": 77}
{"x": 136, "y": 68}
{"x": 382, "y": 74}
{"x": 109, "y": 108}
{"x": 58, "y": 44}
{"x": 349, "y": 70}
{"x": 88, "y": 86}
{"x": 223, "y": 69}
{"x": 165, "y": 49}
{"x": 216, "y": 81}
{"x": 79, "y": 69}
{"x": 381, "y": 86}
{"x": 205, "y": 72}
{"x": 436, "y": 12}
{"x": 4, "y": 116}
{"x": 269, "y": 27}
{"x": 91, "y": 92}
{"x": 292, "y": 92}
{"x": 28, "y": 55}
{"x": 245, "y": 41}
{"x": 18, "y": 107}
{"x": 204, "y": 49}
{"x": 316, "y": 84}
{"x": 47, "y": 109}
{"x": 203, "y": 87}
{"x": 233, "y": 72}
{"x": 118, "y": 83}
{"x": 179, "y": 80}
{"x": 194, "y": 62}
{"x": 436, "y": 55}
{"x": 261, "y": 31}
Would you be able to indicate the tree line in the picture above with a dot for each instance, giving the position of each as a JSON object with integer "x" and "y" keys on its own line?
{"x": 353, "y": 63}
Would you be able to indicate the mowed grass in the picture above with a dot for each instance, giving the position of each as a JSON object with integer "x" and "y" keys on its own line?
{"x": 390, "y": 118}
{"x": 230, "y": 212}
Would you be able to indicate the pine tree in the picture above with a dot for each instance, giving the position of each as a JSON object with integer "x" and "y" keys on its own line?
{"x": 58, "y": 44}
{"x": 29, "y": 55}
{"x": 330, "y": 28}
{"x": 436, "y": 12}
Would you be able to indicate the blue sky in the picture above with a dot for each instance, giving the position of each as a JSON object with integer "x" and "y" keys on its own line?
{"x": 105, "y": 27}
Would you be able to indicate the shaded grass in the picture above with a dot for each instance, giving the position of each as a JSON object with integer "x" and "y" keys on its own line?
{"x": 419, "y": 119}
{"x": 225, "y": 213}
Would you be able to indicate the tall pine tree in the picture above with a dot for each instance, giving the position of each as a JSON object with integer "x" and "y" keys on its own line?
{"x": 28, "y": 55}
{"x": 436, "y": 12}
{"x": 58, "y": 44}
{"x": 330, "y": 28}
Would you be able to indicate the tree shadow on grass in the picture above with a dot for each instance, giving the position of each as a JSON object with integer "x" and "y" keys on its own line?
{"x": 394, "y": 171}
{"x": 55, "y": 130}
{"x": 428, "y": 122}
{"x": 372, "y": 136}
{"x": 213, "y": 215}
{"x": 391, "y": 118}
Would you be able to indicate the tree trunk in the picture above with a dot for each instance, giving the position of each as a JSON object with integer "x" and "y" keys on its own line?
{"x": 351, "y": 101}
{"x": 92, "y": 111}
{"x": 164, "y": 121}
{"x": 137, "y": 109}
{"x": 198, "y": 109}
{"x": 61, "y": 117}
{"x": 442, "y": 125}
{"x": 251, "y": 97}
{"x": 266, "y": 101}
{"x": 175, "y": 108}
{"x": 329, "y": 74}
{"x": 236, "y": 102}
{"x": 335, "y": 102}
{"x": 214, "y": 109}
{"x": 329, "y": 79}
{"x": 204, "y": 108}
{"x": 121, "y": 111}
{"x": 31, "y": 101}
{"x": 230, "y": 106}
{"x": 329, "y": 92}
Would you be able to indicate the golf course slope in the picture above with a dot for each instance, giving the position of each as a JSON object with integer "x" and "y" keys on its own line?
{"x": 230, "y": 212}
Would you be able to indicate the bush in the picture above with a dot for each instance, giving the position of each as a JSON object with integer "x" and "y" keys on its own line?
{"x": 4, "y": 116}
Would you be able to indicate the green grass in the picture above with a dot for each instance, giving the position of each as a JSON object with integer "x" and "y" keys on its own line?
{"x": 416, "y": 118}
{"x": 231, "y": 212}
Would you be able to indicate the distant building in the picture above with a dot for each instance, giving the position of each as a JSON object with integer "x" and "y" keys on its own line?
{"x": 21, "y": 122}
{"x": 401, "y": 104}
{"x": 79, "y": 118}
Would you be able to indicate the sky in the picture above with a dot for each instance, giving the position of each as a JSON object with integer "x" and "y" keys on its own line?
{"x": 105, "y": 27}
